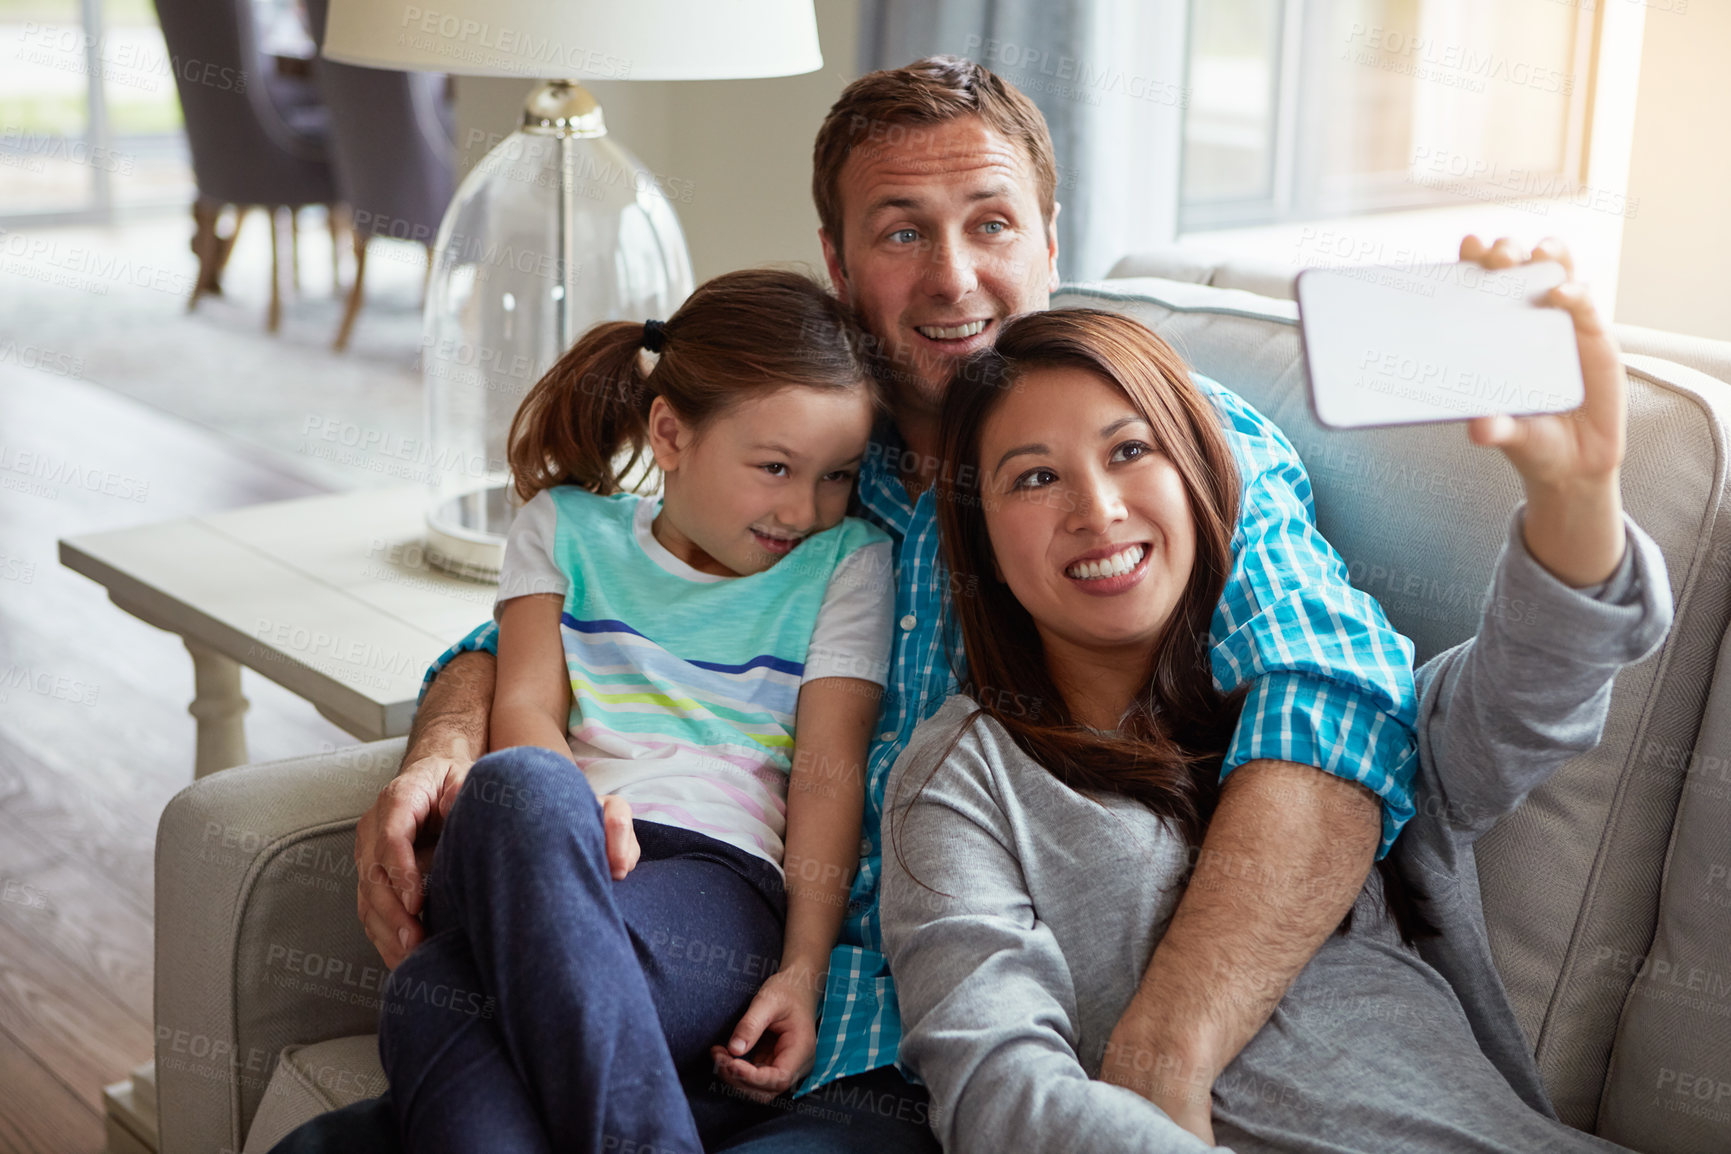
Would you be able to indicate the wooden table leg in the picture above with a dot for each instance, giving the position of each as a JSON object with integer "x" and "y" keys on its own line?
{"x": 130, "y": 1107}
{"x": 219, "y": 708}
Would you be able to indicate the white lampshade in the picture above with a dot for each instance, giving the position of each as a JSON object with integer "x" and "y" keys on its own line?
{"x": 579, "y": 39}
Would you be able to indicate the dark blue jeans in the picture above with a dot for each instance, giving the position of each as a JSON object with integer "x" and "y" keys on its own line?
{"x": 551, "y": 1007}
{"x": 875, "y": 1113}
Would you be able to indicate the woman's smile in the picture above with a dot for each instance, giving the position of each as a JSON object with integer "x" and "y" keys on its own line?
{"x": 1110, "y": 569}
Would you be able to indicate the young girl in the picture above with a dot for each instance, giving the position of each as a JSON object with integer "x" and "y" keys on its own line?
{"x": 607, "y": 897}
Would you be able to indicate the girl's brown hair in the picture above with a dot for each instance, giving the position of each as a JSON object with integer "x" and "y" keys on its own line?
{"x": 741, "y": 334}
{"x": 1166, "y": 752}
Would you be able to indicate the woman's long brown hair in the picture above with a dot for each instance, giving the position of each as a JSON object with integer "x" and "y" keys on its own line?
{"x": 1167, "y": 749}
{"x": 741, "y": 334}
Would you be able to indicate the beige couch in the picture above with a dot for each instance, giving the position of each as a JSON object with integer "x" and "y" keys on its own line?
{"x": 1608, "y": 894}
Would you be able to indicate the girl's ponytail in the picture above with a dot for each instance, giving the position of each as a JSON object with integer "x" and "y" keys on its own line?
{"x": 740, "y": 335}
{"x": 590, "y": 407}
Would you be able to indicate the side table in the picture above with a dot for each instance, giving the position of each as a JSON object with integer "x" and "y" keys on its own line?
{"x": 328, "y": 596}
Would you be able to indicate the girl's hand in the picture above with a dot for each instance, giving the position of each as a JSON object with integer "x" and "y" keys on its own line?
{"x": 622, "y": 848}
{"x": 1569, "y": 463}
{"x": 784, "y": 1010}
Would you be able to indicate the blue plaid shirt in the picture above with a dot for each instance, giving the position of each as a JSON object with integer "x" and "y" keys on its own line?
{"x": 1331, "y": 684}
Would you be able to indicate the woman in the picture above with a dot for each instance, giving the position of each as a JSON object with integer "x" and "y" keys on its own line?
{"x": 1041, "y": 828}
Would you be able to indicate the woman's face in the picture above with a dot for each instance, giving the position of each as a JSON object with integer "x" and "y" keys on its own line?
{"x": 1089, "y": 522}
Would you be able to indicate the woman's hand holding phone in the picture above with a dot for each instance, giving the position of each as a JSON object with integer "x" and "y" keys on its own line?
{"x": 1569, "y": 463}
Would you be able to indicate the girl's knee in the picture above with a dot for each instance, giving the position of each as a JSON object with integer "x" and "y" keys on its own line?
{"x": 524, "y": 779}
{"x": 521, "y": 793}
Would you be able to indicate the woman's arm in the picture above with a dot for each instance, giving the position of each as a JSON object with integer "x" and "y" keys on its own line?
{"x": 987, "y": 1002}
{"x": 1500, "y": 713}
{"x": 825, "y": 804}
{"x": 1504, "y": 711}
{"x": 532, "y": 693}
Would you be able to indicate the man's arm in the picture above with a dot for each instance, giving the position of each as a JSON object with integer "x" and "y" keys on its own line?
{"x": 448, "y": 733}
{"x": 1325, "y": 734}
{"x": 1285, "y": 856}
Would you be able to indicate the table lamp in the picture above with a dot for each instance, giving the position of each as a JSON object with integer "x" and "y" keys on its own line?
{"x": 557, "y": 228}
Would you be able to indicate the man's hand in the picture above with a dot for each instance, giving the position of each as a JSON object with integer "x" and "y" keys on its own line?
{"x": 784, "y": 1010}
{"x": 394, "y": 839}
{"x": 409, "y": 810}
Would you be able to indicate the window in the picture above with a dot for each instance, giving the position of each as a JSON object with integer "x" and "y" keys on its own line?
{"x": 89, "y": 115}
{"x": 1301, "y": 110}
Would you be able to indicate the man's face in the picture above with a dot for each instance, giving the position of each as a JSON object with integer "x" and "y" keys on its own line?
{"x": 941, "y": 241}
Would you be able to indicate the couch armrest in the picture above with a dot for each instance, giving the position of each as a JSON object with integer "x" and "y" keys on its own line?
{"x": 257, "y": 942}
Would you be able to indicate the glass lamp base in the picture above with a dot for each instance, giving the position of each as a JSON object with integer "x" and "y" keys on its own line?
{"x": 466, "y": 534}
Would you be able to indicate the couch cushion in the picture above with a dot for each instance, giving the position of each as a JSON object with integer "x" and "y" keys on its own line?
{"x": 310, "y": 1080}
{"x": 1669, "y": 1089}
{"x": 1417, "y": 514}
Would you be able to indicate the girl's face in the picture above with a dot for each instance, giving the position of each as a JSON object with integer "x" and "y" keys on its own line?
{"x": 1089, "y": 522}
{"x": 760, "y": 478}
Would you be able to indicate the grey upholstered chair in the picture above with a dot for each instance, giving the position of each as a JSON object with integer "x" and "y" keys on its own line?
{"x": 258, "y": 137}
{"x": 392, "y": 138}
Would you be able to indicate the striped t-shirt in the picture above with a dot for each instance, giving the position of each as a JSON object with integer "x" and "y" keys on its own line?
{"x": 685, "y": 684}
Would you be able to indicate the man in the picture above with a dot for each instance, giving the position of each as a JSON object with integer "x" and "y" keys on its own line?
{"x": 934, "y": 186}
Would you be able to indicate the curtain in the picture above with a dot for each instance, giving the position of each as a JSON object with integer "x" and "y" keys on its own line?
{"x": 1108, "y": 75}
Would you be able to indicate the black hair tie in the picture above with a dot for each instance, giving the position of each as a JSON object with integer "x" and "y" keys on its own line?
{"x": 654, "y": 336}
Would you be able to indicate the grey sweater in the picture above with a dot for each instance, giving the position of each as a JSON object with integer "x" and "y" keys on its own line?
{"x": 1020, "y": 915}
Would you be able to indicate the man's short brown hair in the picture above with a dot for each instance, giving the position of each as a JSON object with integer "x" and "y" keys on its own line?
{"x": 881, "y": 107}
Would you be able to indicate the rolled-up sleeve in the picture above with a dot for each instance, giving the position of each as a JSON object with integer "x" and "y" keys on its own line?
{"x": 987, "y": 1000}
{"x": 1328, "y": 680}
{"x": 483, "y": 638}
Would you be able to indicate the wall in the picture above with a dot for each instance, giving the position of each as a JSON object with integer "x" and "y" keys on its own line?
{"x": 744, "y": 146}
{"x": 1676, "y": 261}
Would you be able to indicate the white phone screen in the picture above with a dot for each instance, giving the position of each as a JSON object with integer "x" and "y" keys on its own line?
{"x": 1441, "y": 342}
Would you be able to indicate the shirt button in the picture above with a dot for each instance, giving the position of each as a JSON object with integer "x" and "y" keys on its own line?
{"x": 908, "y": 623}
{"x": 887, "y": 735}
{"x": 865, "y": 847}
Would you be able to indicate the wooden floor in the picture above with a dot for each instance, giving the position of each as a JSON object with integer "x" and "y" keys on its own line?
{"x": 95, "y": 738}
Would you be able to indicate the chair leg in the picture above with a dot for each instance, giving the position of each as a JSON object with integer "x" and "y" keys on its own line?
{"x": 353, "y": 309}
{"x": 294, "y": 215}
{"x": 204, "y": 246}
{"x": 334, "y": 221}
{"x": 225, "y": 246}
{"x": 273, "y": 318}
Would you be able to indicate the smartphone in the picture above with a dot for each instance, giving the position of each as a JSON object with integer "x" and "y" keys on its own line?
{"x": 1441, "y": 342}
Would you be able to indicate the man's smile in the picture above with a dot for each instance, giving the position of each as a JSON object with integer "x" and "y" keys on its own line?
{"x": 958, "y": 337}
